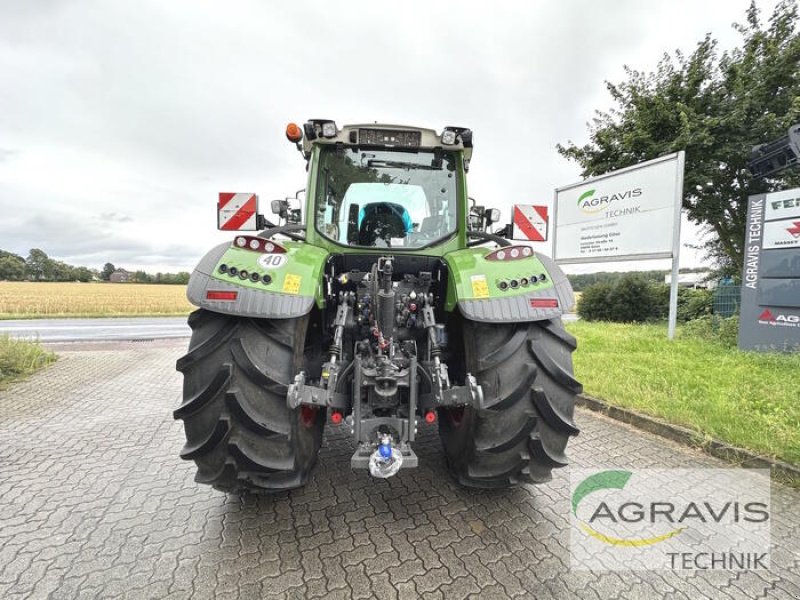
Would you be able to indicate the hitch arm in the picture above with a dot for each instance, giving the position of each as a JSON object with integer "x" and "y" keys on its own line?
{"x": 442, "y": 393}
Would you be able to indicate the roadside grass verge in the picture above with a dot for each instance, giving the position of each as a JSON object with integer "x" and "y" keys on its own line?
{"x": 21, "y": 358}
{"x": 747, "y": 399}
{"x": 41, "y": 300}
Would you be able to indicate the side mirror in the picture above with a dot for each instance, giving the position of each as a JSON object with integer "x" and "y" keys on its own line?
{"x": 280, "y": 208}
{"x": 475, "y": 217}
{"x": 288, "y": 209}
{"x": 294, "y": 210}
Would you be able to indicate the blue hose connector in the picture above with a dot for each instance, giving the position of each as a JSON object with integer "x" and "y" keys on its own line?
{"x": 385, "y": 450}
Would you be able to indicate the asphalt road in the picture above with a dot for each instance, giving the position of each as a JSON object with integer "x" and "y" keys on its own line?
{"x": 107, "y": 329}
{"x": 95, "y": 503}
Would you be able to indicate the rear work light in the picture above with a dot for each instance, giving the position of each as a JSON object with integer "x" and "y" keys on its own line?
{"x": 329, "y": 129}
{"x": 221, "y": 295}
{"x": 453, "y": 135}
{"x": 257, "y": 244}
{"x": 511, "y": 253}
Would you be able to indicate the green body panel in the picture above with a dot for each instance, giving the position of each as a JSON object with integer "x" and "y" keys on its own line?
{"x": 299, "y": 275}
{"x": 469, "y": 270}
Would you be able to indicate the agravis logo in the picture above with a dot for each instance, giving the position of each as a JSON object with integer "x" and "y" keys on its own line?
{"x": 669, "y": 519}
{"x": 603, "y": 481}
{"x": 591, "y": 204}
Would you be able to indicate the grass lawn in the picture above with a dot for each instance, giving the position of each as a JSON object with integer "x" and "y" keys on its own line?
{"x": 29, "y": 300}
{"x": 747, "y": 399}
{"x": 18, "y": 359}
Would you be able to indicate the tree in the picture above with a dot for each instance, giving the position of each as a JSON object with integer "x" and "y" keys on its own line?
{"x": 716, "y": 108}
{"x": 82, "y": 274}
{"x": 108, "y": 269}
{"x": 37, "y": 265}
{"x": 12, "y": 268}
{"x": 6, "y": 254}
{"x": 141, "y": 277}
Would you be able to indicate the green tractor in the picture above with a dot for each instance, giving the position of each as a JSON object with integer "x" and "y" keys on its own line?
{"x": 389, "y": 309}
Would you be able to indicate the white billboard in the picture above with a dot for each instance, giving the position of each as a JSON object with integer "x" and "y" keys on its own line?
{"x": 782, "y": 220}
{"x": 781, "y": 234}
{"x": 630, "y": 214}
{"x": 782, "y": 205}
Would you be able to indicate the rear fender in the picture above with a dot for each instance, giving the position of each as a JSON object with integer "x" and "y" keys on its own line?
{"x": 294, "y": 281}
{"x": 474, "y": 287}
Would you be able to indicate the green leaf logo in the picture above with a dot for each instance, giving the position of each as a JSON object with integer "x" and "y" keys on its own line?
{"x": 599, "y": 481}
{"x": 584, "y": 195}
{"x": 611, "y": 480}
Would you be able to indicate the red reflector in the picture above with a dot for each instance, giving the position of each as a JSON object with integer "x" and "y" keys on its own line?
{"x": 257, "y": 244}
{"x": 430, "y": 417}
{"x": 544, "y": 303}
{"x": 219, "y": 295}
{"x": 336, "y": 417}
{"x": 510, "y": 253}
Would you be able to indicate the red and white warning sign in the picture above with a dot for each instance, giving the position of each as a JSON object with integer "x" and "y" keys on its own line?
{"x": 237, "y": 212}
{"x": 530, "y": 222}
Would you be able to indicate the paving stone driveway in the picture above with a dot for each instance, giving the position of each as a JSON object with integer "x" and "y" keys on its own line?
{"x": 94, "y": 502}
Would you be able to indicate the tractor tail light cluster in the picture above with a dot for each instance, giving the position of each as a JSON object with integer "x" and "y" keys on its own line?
{"x": 257, "y": 244}
{"x": 221, "y": 295}
{"x": 510, "y": 253}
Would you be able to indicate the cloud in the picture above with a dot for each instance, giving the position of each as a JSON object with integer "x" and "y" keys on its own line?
{"x": 121, "y": 121}
{"x": 7, "y": 154}
{"x": 114, "y": 217}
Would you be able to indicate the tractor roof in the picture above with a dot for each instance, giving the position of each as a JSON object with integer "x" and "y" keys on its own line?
{"x": 384, "y": 135}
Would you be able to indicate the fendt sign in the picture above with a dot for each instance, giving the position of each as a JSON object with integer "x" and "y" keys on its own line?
{"x": 770, "y": 313}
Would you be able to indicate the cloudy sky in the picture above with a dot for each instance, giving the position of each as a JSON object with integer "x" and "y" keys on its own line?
{"x": 120, "y": 121}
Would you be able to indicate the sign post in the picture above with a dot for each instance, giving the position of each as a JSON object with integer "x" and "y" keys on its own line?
{"x": 629, "y": 214}
{"x": 676, "y": 247}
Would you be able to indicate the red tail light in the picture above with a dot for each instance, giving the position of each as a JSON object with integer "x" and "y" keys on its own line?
{"x": 544, "y": 303}
{"x": 257, "y": 244}
{"x": 221, "y": 295}
{"x": 510, "y": 253}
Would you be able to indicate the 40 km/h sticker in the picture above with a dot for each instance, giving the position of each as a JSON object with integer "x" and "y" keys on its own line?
{"x": 272, "y": 261}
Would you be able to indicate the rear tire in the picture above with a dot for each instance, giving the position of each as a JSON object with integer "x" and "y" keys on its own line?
{"x": 520, "y": 432}
{"x": 239, "y": 430}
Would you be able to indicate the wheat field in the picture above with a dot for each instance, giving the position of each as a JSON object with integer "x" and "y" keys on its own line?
{"x": 29, "y": 300}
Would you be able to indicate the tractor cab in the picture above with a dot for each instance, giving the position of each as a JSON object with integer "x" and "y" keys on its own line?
{"x": 384, "y": 186}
